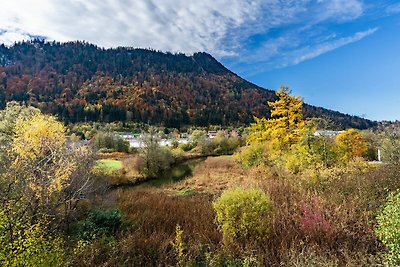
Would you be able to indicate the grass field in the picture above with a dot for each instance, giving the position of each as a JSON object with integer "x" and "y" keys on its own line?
{"x": 109, "y": 165}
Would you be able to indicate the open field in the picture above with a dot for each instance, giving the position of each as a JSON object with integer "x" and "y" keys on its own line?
{"x": 328, "y": 221}
{"x": 109, "y": 165}
{"x": 119, "y": 168}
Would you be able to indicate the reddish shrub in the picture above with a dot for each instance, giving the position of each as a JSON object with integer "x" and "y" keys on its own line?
{"x": 312, "y": 220}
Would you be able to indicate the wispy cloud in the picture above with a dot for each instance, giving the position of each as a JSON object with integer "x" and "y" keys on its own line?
{"x": 280, "y": 32}
{"x": 291, "y": 50}
{"x": 341, "y": 10}
{"x": 393, "y": 9}
{"x": 319, "y": 49}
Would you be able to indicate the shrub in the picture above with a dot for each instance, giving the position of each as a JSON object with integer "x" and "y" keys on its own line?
{"x": 226, "y": 258}
{"x": 74, "y": 138}
{"x": 174, "y": 144}
{"x": 99, "y": 223}
{"x": 313, "y": 222}
{"x": 243, "y": 214}
{"x": 388, "y": 229}
{"x": 196, "y": 136}
{"x": 187, "y": 146}
{"x": 178, "y": 243}
{"x": 220, "y": 145}
{"x": 28, "y": 245}
{"x": 251, "y": 155}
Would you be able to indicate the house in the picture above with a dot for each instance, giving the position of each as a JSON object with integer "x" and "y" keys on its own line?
{"x": 211, "y": 134}
{"x": 327, "y": 133}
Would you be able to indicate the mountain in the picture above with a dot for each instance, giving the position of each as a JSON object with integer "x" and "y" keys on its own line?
{"x": 81, "y": 82}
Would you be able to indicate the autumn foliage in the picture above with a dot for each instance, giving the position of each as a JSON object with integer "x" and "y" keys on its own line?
{"x": 350, "y": 145}
{"x": 41, "y": 181}
{"x": 291, "y": 143}
{"x": 81, "y": 82}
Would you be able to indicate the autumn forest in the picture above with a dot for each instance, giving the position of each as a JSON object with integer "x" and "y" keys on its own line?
{"x": 81, "y": 82}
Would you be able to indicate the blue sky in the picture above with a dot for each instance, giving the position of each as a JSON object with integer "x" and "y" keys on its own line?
{"x": 360, "y": 78}
{"x": 339, "y": 54}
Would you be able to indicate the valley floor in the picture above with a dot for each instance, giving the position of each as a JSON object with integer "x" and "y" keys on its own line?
{"x": 324, "y": 218}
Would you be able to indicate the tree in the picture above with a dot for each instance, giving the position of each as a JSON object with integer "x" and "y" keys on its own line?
{"x": 108, "y": 142}
{"x": 390, "y": 145}
{"x": 285, "y": 125}
{"x": 289, "y": 138}
{"x": 155, "y": 159}
{"x": 283, "y": 133}
{"x": 28, "y": 245}
{"x": 350, "y": 144}
{"x": 39, "y": 143}
{"x": 311, "y": 151}
{"x": 8, "y": 118}
{"x": 38, "y": 182}
{"x": 251, "y": 155}
{"x": 41, "y": 179}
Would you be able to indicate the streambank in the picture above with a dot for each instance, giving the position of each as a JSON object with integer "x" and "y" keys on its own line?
{"x": 177, "y": 172}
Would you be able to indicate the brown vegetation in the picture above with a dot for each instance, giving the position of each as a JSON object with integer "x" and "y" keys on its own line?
{"x": 324, "y": 222}
{"x": 151, "y": 219}
{"x": 214, "y": 175}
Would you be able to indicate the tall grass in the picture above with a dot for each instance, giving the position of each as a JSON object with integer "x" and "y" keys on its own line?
{"x": 327, "y": 221}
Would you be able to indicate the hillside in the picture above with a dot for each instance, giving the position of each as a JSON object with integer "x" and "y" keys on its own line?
{"x": 81, "y": 82}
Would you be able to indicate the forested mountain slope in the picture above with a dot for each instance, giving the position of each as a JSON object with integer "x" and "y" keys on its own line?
{"x": 82, "y": 82}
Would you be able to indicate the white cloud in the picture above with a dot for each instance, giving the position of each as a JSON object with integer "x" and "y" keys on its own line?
{"x": 14, "y": 36}
{"x": 173, "y": 25}
{"x": 225, "y": 28}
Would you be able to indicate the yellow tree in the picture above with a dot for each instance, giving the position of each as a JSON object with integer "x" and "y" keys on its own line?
{"x": 258, "y": 131}
{"x": 42, "y": 175}
{"x": 350, "y": 144}
{"x": 41, "y": 180}
{"x": 39, "y": 145}
{"x": 8, "y": 117}
{"x": 285, "y": 125}
{"x": 36, "y": 168}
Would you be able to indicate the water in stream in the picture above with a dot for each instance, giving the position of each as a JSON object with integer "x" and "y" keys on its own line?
{"x": 177, "y": 173}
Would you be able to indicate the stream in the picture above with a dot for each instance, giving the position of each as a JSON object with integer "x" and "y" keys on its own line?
{"x": 173, "y": 175}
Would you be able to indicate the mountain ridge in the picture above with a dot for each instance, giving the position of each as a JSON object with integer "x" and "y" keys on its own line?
{"x": 79, "y": 81}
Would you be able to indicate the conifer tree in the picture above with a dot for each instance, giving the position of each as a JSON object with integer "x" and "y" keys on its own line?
{"x": 285, "y": 125}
